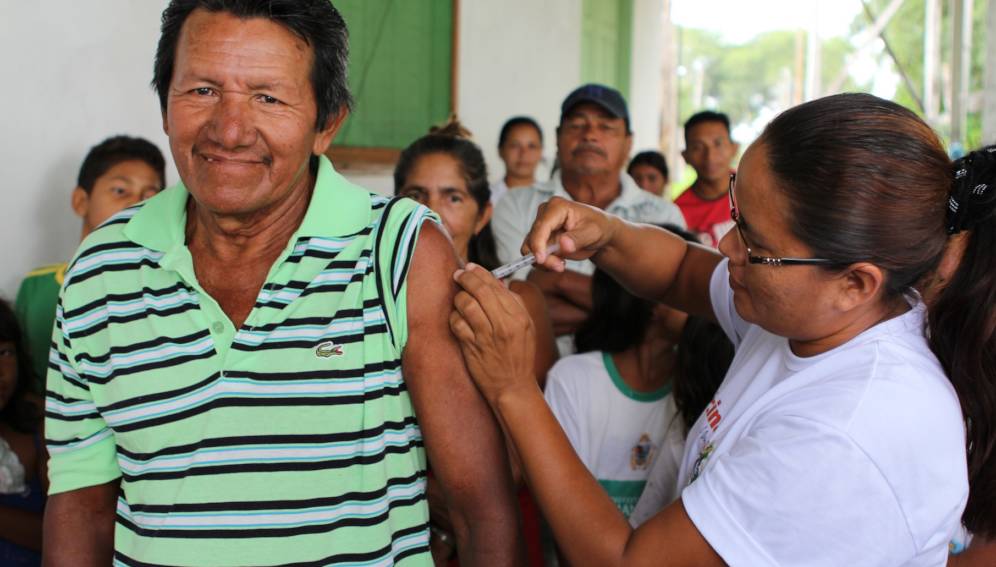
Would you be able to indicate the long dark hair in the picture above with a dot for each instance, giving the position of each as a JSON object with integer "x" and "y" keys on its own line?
{"x": 618, "y": 319}
{"x": 704, "y": 356}
{"x": 452, "y": 140}
{"x": 868, "y": 180}
{"x": 18, "y": 413}
{"x": 966, "y": 310}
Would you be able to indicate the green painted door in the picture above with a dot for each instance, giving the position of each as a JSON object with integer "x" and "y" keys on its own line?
{"x": 607, "y": 43}
{"x": 400, "y": 54}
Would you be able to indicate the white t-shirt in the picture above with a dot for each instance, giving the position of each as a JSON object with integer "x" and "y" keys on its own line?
{"x": 498, "y": 190}
{"x": 852, "y": 457}
{"x": 516, "y": 211}
{"x": 662, "y": 480}
{"x": 616, "y": 431}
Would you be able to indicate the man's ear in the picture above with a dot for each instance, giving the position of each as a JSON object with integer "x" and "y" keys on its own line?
{"x": 80, "y": 201}
{"x": 684, "y": 155}
{"x": 483, "y": 218}
{"x": 325, "y": 136}
{"x": 861, "y": 284}
{"x": 629, "y": 145}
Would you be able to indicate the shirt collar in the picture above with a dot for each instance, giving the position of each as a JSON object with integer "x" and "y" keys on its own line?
{"x": 629, "y": 191}
{"x": 337, "y": 208}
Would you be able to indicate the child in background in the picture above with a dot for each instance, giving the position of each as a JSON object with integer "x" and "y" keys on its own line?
{"x": 117, "y": 173}
{"x": 703, "y": 357}
{"x": 22, "y": 453}
{"x": 617, "y": 400}
{"x": 649, "y": 170}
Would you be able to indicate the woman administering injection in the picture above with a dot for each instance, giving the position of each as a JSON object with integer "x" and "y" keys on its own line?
{"x": 842, "y": 434}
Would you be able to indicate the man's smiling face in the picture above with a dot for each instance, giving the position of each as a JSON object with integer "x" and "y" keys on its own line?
{"x": 241, "y": 112}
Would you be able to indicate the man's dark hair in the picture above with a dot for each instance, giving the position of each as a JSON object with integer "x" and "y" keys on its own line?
{"x": 511, "y": 123}
{"x": 706, "y": 116}
{"x": 316, "y": 22}
{"x": 654, "y": 159}
{"x": 115, "y": 150}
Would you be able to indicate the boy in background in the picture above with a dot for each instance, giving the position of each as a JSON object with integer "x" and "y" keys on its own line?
{"x": 117, "y": 173}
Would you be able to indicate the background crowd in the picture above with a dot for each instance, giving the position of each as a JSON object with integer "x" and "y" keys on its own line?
{"x": 627, "y": 378}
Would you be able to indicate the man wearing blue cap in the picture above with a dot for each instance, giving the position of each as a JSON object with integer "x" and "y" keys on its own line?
{"x": 594, "y": 140}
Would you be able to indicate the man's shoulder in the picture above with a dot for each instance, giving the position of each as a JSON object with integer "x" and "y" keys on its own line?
{"x": 638, "y": 205}
{"x": 109, "y": 249}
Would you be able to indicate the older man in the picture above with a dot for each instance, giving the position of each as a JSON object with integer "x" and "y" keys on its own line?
{"x": 247, "y": 366}
{"x": 593, "y": 145}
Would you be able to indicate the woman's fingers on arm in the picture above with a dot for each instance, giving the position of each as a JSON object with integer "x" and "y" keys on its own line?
{"x": 487, "y": 297}
{"x": 461, "y": 328}
{"x": 471, "y": 311}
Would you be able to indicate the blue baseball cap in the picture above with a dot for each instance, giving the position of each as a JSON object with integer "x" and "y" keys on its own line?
{"x": 606, "y": 97}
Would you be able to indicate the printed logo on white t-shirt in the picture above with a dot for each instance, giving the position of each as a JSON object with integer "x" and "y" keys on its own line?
{"x": 706, "y": 447}
{"x": 642, "y": 454}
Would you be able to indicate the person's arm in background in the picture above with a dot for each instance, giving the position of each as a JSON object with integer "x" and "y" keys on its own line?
{"x": 79, "y": 527}
{"x": 463, "y": 441}
{"x": 546, "y": 341}
{"x": 568, "y": 295}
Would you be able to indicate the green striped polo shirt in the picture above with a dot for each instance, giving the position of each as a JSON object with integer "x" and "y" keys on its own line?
{"x": 288, "y": 441}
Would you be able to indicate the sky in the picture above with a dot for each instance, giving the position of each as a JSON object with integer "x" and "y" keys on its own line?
{"x": 739, "y": 21}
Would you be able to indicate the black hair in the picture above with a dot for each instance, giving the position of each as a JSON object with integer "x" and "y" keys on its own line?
{"x": 868, "y": 180}
{"x": 316, "y": 22}
{"x": 706, "y": 116}
{"x": 654, "y": 159}
{"x": 115, "y": 150}
{"x": 703, "y": 356}
{"x": 452, "y": 140}
{"x": 19, "y": 413}
{"x": 618, "y": 320}
{"x": 962, "y": 325}
{"x": 511, "y": 123}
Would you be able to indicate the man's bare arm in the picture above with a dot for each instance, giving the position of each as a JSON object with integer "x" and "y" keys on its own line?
{"x": 462, "y": 437}
{"x": 79, "y": 527}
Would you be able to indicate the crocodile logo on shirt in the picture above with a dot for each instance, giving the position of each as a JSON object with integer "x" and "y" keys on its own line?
{"x": 328, "y": 349}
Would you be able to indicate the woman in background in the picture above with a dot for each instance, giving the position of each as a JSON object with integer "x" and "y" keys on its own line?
{"x": 520, "y": 146}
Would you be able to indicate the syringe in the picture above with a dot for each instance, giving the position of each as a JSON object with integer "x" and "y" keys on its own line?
{"x": 503, "y": 272}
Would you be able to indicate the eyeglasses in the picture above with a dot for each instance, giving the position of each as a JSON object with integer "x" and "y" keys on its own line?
{"x": 766, "y": 260}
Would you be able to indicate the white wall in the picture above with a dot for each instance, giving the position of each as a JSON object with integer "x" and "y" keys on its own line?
{"x": 524, "y": 57}
{"x": 516, "y": 57}
{"x": 74, "y": 74}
